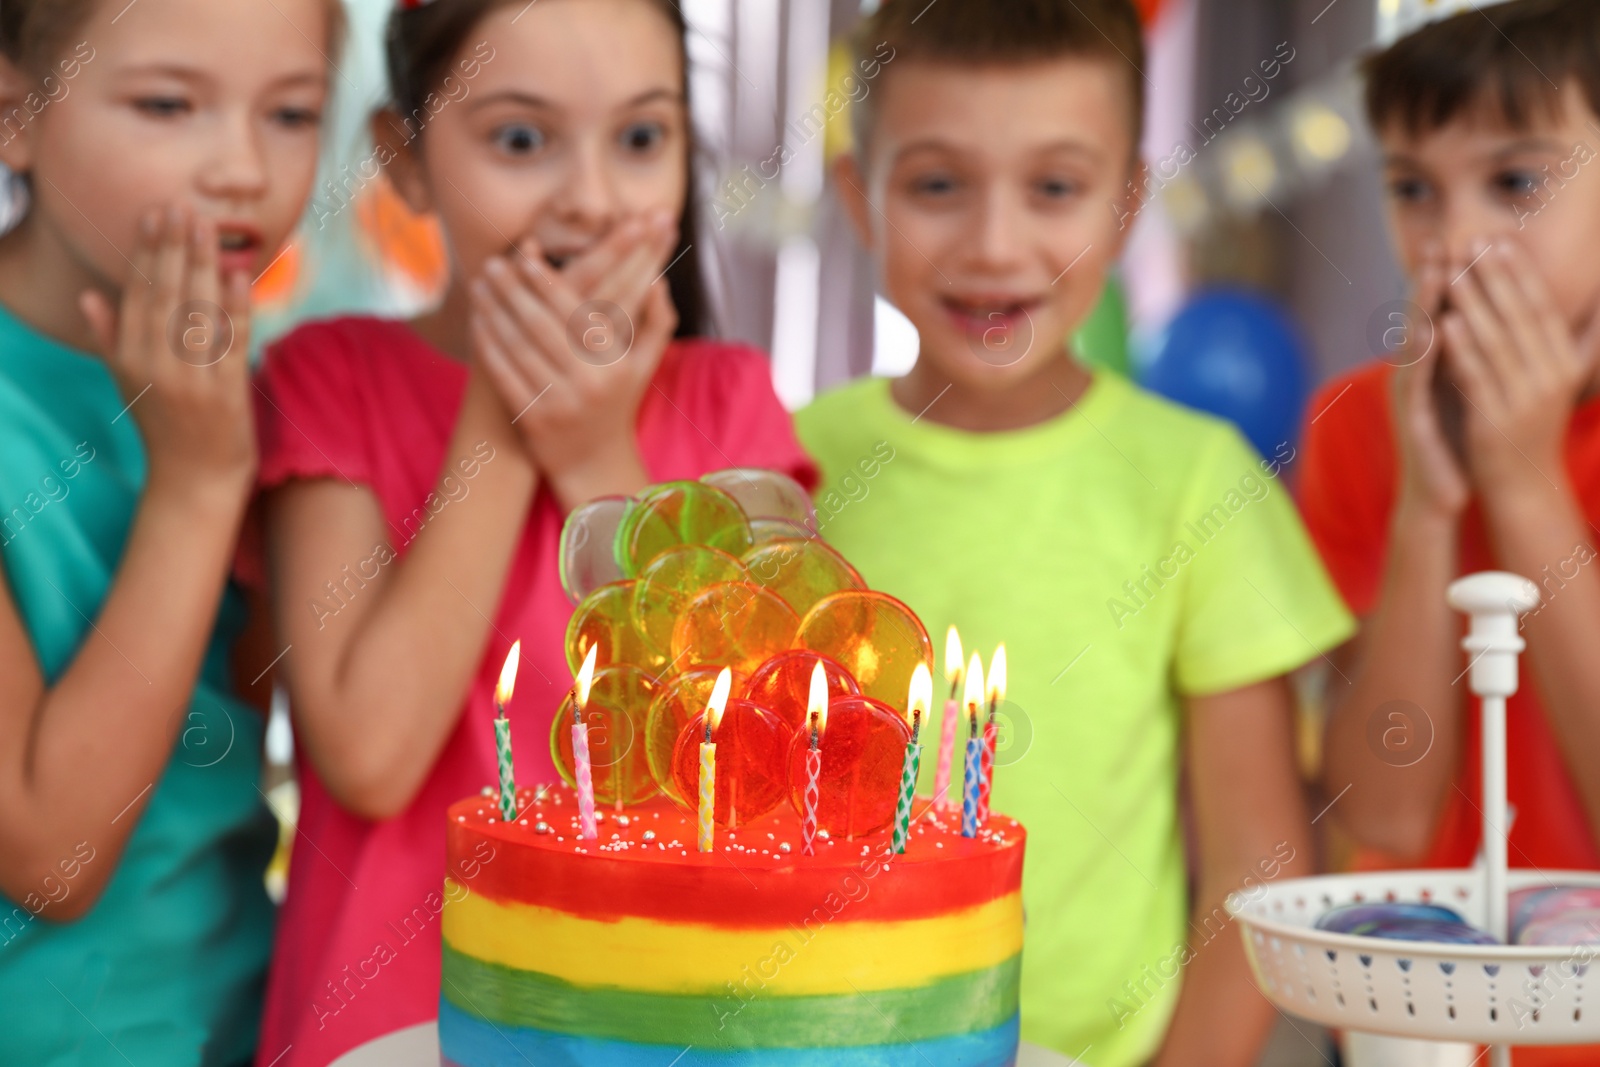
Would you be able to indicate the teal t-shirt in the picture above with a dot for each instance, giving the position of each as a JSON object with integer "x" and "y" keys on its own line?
{"x": 1129, "y": 553}
{"x": 169, "y": 965}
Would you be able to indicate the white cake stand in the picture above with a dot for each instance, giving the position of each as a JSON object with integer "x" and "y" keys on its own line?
{"x": 1499, "y": 995}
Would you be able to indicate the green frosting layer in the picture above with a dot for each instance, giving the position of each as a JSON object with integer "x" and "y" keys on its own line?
{"x": 749, "y": 1015}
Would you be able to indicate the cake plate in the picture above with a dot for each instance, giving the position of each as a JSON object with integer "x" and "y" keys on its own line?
{"x": 1498, "y": 995}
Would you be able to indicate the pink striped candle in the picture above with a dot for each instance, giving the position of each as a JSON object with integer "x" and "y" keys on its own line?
{"x": 947, "y": 729}
{"x": 582, "y": 770}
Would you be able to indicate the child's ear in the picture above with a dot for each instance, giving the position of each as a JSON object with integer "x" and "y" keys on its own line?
{"x": 16, "y": 120}
{"x": 851, "y": 185}
{"x": 396, "y": 147}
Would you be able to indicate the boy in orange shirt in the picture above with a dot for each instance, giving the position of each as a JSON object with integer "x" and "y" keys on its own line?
{"x": 1475, "y": 445}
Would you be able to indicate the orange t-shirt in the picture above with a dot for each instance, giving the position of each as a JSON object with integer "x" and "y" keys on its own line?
{"x": 1349, "y": 483}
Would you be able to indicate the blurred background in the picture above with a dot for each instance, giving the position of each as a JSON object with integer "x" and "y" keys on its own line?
{"x": 1254, "y": 273}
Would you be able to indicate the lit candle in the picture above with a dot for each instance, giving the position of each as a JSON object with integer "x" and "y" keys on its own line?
{"x": 582, "y": 770}
{"x": 502, "y": 732}
{"x": 708, "y": 760}
{"x": 991, "y": 731}
{"x": 947, "y": 730}
{"x": 817, "y": 716}
{"x": 917, "y": 701}
{"x": 973, "y": 781}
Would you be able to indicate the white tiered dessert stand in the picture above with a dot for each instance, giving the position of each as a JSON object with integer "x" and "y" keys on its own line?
{"x": 1496, "y": 995}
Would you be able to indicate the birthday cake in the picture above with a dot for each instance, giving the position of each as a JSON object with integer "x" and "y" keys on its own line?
{"x": 736, "y": 869}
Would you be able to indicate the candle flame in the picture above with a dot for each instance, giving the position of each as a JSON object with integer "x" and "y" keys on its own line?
{"x": 585, "y": 679}
{"x": 817, "y": 705}
{"x": 974, "y": 693}
{"x": 508, "y": 676}
{"x": 997, "y": 676}
{"x": 719, "y": 699}
{"x": 952, "y": 658}
{"x": 920, "y": 697}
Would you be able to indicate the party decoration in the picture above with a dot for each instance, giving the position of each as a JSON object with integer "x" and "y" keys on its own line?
{"x": 614, "y": 713}
{"x": 952, "y": 713}
{"x": 917, "y": 702}
{"x": 863, "y": 754}
{"x": 1237, "y": 355}
{"x": 667, "y": 584}
{"x": 679, "y": 699}
{"x": 733, "y": 624}
{"x": 1102, "y": 339}
{"x": 873, "y": 636}
{"x": 680, "y": 513}
{"x": 752, "y": 747}
{"x": 802, "y": 572}
{"x": 765, "y": 494}
{"x": 604, "y": 621}
{"x": 782, "y": 684}
{"x": 587, "y": 555}
{"x": 764, "y": 530}
{"x": 502, "y": 732}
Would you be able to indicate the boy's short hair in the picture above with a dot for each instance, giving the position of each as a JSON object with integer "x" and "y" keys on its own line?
{"x": 1513, "y": 59}
{"x": 979, "y": 33}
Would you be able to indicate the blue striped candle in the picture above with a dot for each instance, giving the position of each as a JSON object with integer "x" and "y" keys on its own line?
{"x": 971, "y": 787}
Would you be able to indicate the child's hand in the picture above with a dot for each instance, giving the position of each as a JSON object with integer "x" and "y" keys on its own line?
{"x": 177, "y": 349}
{"x": 1431, "y": 477}
{"x": 1519, "y": 368}
{"x": 571, "y": 353}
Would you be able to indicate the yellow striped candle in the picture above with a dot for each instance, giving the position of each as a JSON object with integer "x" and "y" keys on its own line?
{"x": 708, "y": 760}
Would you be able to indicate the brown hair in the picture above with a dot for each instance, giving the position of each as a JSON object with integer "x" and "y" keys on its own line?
{"x": 33, "y": 33}
{"x": 978, "y": 33}
{"x": 1514, "y": 59}
{"x": 422, "y": 44}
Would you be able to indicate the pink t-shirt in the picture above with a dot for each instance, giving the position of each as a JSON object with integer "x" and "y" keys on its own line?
{"x": 368, "y": 401}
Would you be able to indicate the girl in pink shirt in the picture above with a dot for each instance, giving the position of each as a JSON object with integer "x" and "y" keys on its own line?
{"x": 417, "y": 474}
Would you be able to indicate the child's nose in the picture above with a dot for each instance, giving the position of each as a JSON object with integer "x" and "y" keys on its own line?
{"x": 999, "y": 230}
{"x": 1468, "y": 230}
{"x": 236, "y": 166}
{"x": 587, "y": 198}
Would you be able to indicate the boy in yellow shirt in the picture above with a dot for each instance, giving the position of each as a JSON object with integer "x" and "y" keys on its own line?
{"x": 1144, "y": 567}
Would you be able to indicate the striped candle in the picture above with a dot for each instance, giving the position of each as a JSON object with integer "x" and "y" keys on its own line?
{"x": 969, "y": 801}
{"x": 708, "y": 793}
{"x": 947, "y": 729}
{"x": 808, "y": 822}
{"x": 585, "y": 775}
{"x": 508, "y": 781}
{"x": 917, "y": 701}
{"x": 502, "y": 732}
{"x": 986, "y": 769}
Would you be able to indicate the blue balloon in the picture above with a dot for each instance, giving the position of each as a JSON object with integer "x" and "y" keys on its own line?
{"x": 1237, "y": 355}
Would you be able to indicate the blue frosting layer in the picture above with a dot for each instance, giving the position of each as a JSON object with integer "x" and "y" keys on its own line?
{"x": 473, "y": 1042}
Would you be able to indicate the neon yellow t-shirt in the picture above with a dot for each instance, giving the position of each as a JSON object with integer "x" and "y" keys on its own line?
{"x": 1129, "y": 552}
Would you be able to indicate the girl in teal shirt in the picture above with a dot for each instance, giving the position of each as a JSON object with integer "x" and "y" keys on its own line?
{"x": 166, "y": 149}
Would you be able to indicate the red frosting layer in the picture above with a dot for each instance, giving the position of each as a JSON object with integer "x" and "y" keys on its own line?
{"x": 748, "y": 881}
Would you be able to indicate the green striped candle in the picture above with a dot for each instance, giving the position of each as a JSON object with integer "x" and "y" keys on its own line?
{"x": 918, "y": 699}
{"x": 502, "y": 732}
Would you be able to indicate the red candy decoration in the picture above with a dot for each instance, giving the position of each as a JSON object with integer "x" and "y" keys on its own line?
{"x": 863, "y": 755}
{"x": 752, "y": 744}
{"x": 783, "y": 684}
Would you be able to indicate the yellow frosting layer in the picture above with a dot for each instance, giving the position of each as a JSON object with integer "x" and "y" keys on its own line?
{"x": 828, "y": 955}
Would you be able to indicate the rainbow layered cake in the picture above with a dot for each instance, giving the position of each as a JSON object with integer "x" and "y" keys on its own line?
{"x": 737, "y": 870}
{"x": 636, "y": 949}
